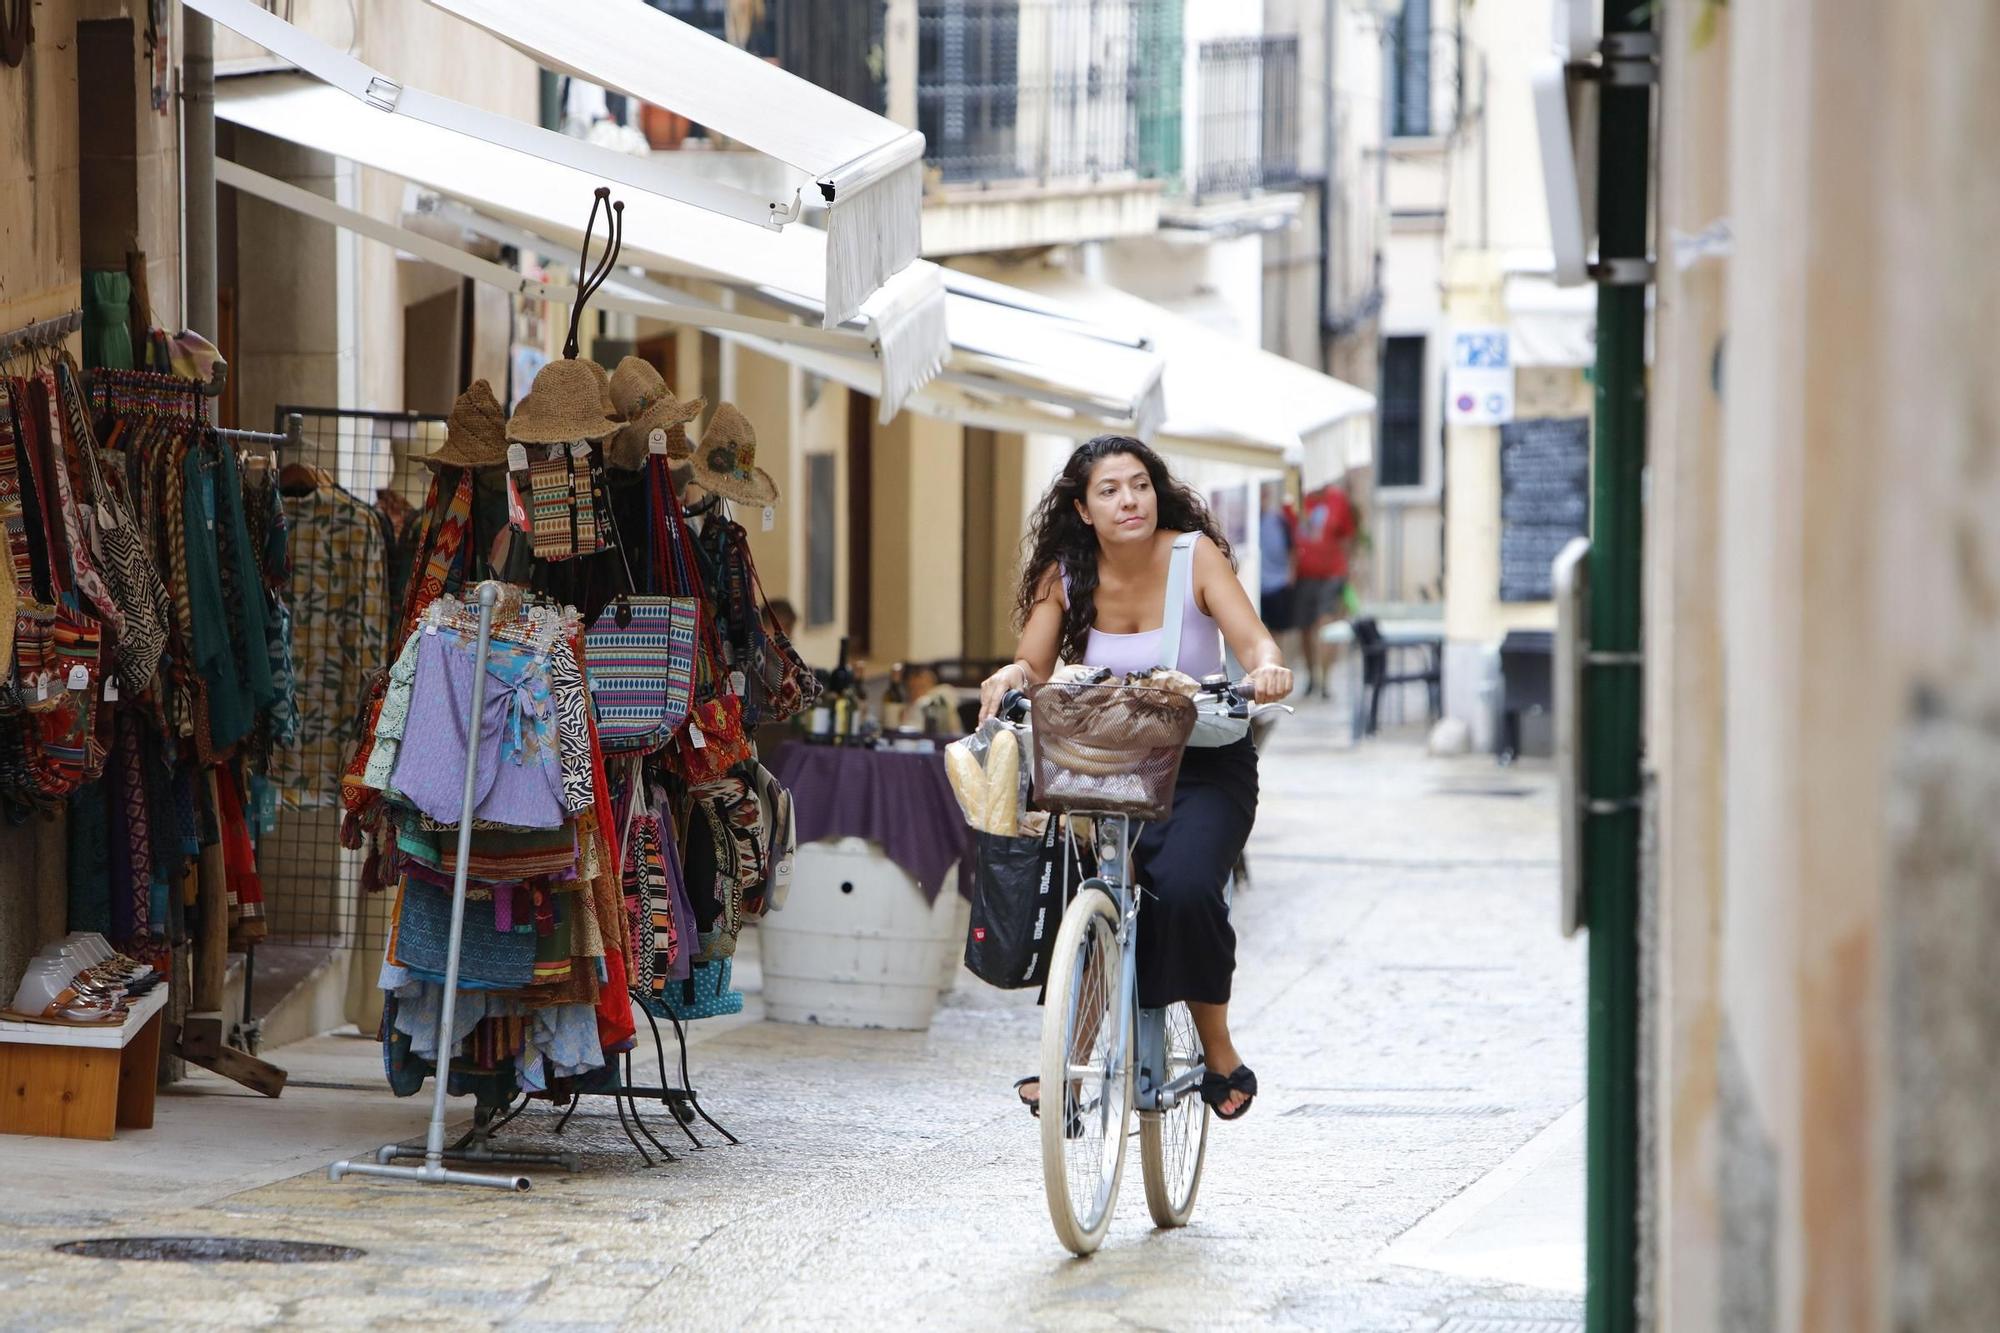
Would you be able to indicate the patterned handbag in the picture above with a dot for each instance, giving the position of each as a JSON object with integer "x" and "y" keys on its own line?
{"x": 128, "y": 567}
{"x": 778, "y": 685}
{"x": 639, "y": 660}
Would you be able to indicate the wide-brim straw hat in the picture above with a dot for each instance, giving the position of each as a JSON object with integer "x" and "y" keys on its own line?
{"x": 475, "y": 435}
{"x": 641, "y": 398}
{"x": 725, "y": 462}
{"x": 570, "y": 400}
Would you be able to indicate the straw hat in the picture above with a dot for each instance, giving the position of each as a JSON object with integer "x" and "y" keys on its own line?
{"x": 476, "y": 433}
{"x": 571, "y": 400}
{"x": 641, "y": 398}
{"x": 726, "y": 461}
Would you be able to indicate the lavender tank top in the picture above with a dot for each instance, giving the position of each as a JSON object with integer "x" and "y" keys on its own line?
{"x": 1198, "y": 650}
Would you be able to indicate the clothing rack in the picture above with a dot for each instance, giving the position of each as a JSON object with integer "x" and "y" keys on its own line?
{"x": 42, "y": 333}
{"x": 292, "y": 437}
{"x": 433, "y": 1171}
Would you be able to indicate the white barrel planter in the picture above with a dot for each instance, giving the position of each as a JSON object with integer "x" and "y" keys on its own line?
{"x": 856, "y": 945}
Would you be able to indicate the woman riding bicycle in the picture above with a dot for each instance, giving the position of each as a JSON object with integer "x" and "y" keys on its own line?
{"x": 1094, "y": 592}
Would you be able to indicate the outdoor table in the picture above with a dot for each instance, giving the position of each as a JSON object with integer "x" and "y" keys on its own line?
{"x": 867, "y": 937}
{"x": 898, "y": 799}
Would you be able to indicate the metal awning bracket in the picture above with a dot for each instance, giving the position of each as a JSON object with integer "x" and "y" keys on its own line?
{"x": 383, "y": 94}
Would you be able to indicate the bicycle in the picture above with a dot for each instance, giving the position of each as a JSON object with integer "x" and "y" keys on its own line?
{"x": 1111, "y": 1057}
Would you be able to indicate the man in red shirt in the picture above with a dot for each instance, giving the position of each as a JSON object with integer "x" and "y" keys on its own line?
{"x": 1325, "y": 530}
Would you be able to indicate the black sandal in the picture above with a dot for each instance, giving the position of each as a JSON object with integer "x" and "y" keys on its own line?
{"x": 1072, "y": 1128}
{"x": 1216, "y": 1089}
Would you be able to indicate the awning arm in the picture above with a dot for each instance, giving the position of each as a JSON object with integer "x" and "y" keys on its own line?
{"x": 653, "y": 175}
{"x": 444, "y": 255}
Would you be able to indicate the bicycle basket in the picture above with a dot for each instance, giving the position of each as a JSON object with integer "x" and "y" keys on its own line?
{"x": 1110, "y": 748}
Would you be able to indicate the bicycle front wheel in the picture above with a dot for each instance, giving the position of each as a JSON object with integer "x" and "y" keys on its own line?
{"x": 1173, "y": 1144}
{"x": 1086, "y": 1074}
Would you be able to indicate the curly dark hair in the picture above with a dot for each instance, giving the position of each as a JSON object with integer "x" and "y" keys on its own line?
{"x": 1058, "y": 538}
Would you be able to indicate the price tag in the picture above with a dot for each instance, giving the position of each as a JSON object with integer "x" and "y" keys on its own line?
{"x": 656, "y": 443}
{"x": 770, "y": 517}
{"x": 517, "y": 458}
{"x": 579, "y": 450}
{"x": 79, "y": 678}
{"x": 695, "y": 738}
{"x": 111, "y": 689}
{"x": 737, "y": 685}
{"x": 42, "y": 689}
{"x": 430, "y": 627}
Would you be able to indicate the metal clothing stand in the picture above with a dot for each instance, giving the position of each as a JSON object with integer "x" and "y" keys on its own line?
{"x": 474, "y": 1147}
{"x": 682, "y": 1101}
{"x": 293, "y": 436}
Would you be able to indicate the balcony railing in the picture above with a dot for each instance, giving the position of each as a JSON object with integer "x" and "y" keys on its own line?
{"x": 1247, "y": 122}
{"x": 1048, "y": 90}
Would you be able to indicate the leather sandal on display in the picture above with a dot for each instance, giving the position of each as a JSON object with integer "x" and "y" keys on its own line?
{"x": 1217, "y": 1089}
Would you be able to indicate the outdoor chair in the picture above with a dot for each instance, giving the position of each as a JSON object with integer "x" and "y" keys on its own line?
{"x": 1380, "y": 669}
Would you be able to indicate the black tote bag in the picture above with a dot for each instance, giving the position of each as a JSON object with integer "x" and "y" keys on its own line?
{"x": 1017, "y": 904}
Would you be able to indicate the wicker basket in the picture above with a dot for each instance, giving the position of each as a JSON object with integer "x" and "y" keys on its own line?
{"x": 1114, "y": 749}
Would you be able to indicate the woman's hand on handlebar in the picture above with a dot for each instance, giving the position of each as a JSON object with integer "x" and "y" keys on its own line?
{"x": 1269, "y": 684}
{"x": 994, "y": 688}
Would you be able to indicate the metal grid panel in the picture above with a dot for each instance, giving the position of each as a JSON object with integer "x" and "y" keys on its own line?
{"x": 311, "y": 883}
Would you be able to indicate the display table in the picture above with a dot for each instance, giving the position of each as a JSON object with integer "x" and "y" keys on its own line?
{"x": 81, "y": 1083}
{"x": 868, "y": 934}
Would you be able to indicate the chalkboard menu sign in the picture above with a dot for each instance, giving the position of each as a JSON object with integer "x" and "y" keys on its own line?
{"x": 1544, "y": 500}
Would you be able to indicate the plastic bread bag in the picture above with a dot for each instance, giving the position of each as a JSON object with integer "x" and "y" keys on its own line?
{"x": 987, "y": 774}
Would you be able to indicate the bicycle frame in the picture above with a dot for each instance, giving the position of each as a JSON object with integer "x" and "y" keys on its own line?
{"x": 1145, "y": 1029}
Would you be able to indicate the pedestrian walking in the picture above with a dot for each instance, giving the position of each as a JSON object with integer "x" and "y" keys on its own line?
{"x": 1324, "y": 535}
{"x": 1276, "y": 571}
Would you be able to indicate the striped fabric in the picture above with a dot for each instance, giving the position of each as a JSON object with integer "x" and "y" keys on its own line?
{"x": 551, "y": 507}
{"x": 641, "y": 673}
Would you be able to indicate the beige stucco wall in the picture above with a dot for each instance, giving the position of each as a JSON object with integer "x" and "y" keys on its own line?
{"x": 1825, "y": 739}
{"x": 917, "y": 567}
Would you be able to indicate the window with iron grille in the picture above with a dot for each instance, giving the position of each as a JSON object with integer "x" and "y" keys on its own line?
{"x": 1410, "y": 71}
{"x": 1248, "y": 118}
{"x": 1401, "y": 404}
{"x": 1043, "y": 90}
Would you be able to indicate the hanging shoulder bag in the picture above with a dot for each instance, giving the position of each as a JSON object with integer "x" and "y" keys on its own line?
{"x": 639, "y": 656}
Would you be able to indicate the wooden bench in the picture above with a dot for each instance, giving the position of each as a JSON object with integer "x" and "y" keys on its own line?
{"x": 81, "y": 1083}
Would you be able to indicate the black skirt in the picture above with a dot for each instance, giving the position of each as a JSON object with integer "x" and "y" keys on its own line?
{"x": 1187, "y": 948}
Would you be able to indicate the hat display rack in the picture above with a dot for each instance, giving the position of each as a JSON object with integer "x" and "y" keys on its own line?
{"x": 432, "y": 1170}
{"x": 571, "y": 408}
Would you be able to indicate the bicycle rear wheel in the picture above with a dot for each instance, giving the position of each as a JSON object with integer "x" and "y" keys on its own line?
{"x": 1086, "y": 1074}
{"x": 1173, "y": 1144}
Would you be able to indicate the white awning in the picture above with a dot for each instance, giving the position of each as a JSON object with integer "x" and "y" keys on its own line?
{"x": 903, "y": 322}
{"x": 1217, "y": 390}
{"x": 1550, "y": 325}
{"x": 867, "y": 169}
{"x": 883, "y": 181}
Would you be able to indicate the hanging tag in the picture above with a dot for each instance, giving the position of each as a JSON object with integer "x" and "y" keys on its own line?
{"x": 580, "y": 450}
{"x": 517, "y": 513}
{"x": 737, "y": 684}
{"x": 517, "y": 458}
{"x": 656, "y": 443}
{"x": 695, "y": 738}
{"x": 111, "y": 689}
{"x": 79, "y": 677}
{"x": 41, "y": 689}
{"x": 431, "y": 627}
{"x": 770, "y": 517}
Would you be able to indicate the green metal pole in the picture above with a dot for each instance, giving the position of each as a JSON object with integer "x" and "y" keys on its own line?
{"x": 1612, "y": 682}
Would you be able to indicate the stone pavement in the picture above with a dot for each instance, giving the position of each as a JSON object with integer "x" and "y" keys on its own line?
{"x": 1412, "y": 1014}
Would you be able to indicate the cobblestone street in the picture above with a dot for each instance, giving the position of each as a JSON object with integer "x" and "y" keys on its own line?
{"x": 1413, "y": 1016}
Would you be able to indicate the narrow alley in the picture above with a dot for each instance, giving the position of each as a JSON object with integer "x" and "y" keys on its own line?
{"x": 1414, "y": 1163}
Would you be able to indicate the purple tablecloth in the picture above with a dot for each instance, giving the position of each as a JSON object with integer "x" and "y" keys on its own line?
{"x": 901, "y": 801}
